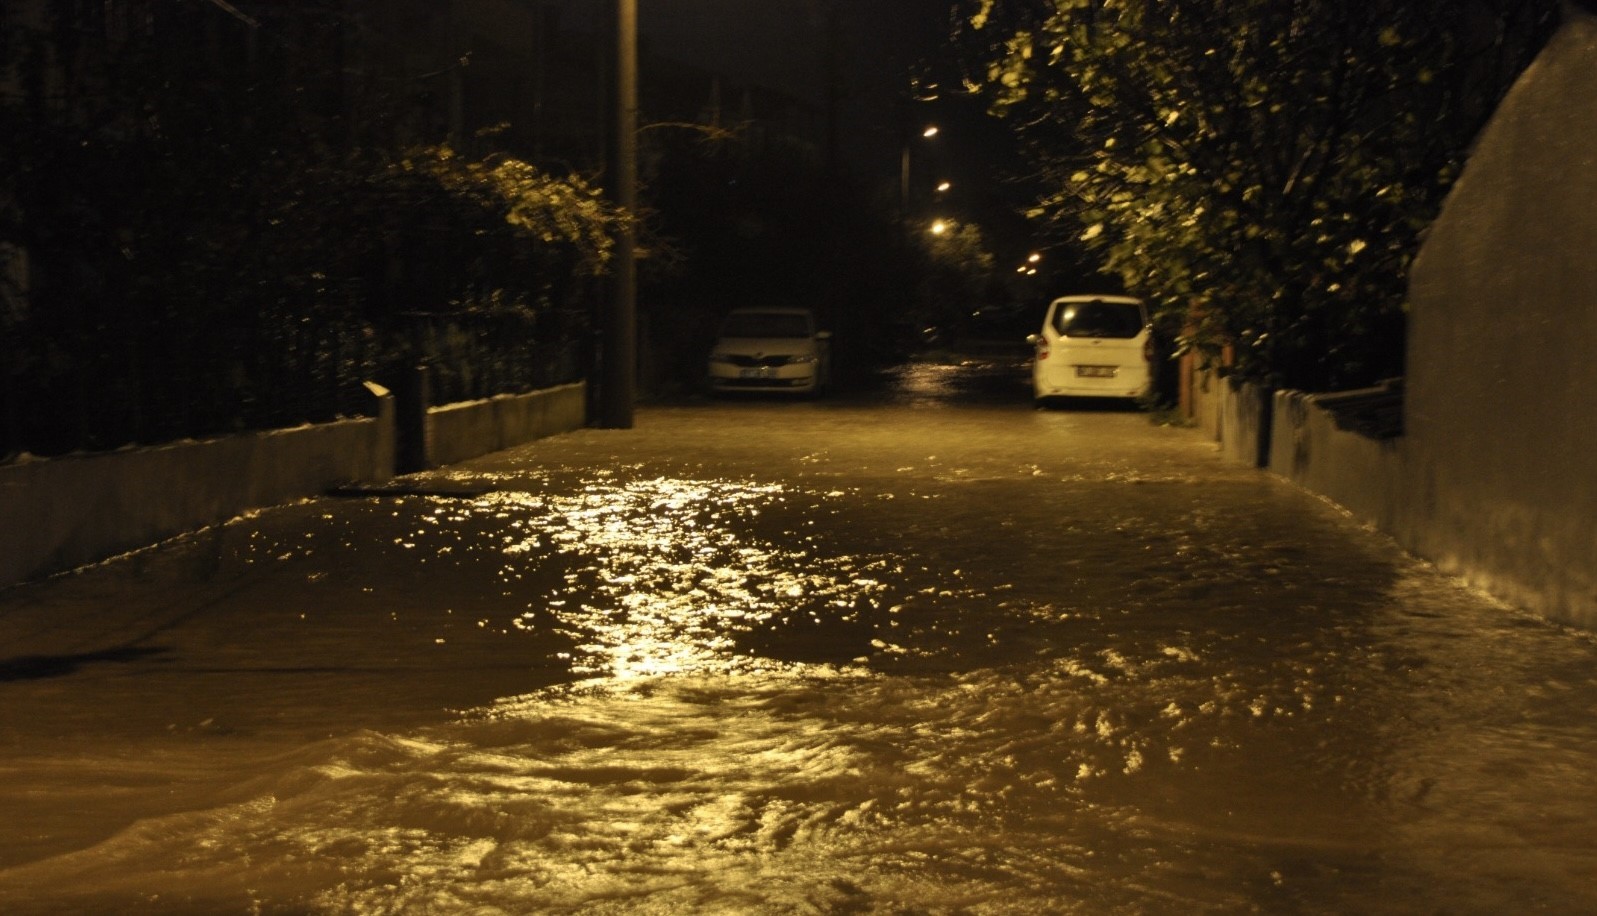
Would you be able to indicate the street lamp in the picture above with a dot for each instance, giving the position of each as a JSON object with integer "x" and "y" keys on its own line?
{"x": 928, "y": 132}
{"x": 619, "y": 331}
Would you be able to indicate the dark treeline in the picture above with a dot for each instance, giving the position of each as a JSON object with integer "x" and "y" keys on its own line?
{"x": 192, "y": 241}
{"x": 220, "y": 217}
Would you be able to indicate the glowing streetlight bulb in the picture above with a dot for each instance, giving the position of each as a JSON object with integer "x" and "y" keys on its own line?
{"x": 939, "y": 227}
{"x": 944, "y": 185}
{"x": 930, "y": 131}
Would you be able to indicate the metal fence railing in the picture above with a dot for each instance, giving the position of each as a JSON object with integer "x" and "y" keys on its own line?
{"x": 471, "y": 356}
{"x": 103, "y": 391}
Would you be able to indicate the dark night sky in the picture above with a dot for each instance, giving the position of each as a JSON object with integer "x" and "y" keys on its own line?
{"x": 783, "y": 43}
{"x": 878, "y": 45}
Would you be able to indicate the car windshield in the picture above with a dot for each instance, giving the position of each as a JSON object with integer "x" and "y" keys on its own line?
{"x": 1098, "y": 318}
{"x": 766, "y": 324}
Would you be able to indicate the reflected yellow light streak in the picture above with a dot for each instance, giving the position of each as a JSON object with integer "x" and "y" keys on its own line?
{"x": 663, "y": 573}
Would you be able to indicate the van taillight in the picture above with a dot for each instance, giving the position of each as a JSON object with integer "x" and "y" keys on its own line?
{"x": 1147, "y": 349}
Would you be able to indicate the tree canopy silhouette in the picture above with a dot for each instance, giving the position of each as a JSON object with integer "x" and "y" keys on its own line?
{"x": 1261, "y": 171}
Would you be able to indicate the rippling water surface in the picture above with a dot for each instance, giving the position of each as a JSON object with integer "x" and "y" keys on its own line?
{"x": 797, "y": 658}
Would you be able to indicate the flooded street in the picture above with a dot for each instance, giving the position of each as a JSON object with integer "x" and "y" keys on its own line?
{"x": 931, "y": 651}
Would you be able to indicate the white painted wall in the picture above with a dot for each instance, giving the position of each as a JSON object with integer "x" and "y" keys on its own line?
{"x": 1501, "y": 404}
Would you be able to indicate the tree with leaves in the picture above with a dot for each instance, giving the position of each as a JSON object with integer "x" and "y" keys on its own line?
{"x": 1262, "y": 171}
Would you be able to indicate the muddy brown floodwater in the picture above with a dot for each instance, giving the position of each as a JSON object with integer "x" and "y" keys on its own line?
{"x": 932, "y": 651}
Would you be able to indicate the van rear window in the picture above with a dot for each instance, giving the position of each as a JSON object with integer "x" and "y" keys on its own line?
{"x": 1099, "y": 319}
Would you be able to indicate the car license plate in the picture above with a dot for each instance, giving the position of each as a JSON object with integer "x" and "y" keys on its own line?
{"x": 1095, "y": 371}
{"x": 764, "y": 372}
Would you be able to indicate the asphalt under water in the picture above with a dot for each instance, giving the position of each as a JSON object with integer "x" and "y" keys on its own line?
{"x": 918, "y": 654}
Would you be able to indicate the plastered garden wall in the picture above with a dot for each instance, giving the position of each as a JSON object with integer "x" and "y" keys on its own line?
{"x": 61, "y": 513}
{"x": 1540, "y": 556}
{"x": 64, "y": 512}
{"x": 457, "y": 432}
{"x": 1360, "y": 474}
{"x": 1501, "y": 409}
{"x": 1244, "y": 418}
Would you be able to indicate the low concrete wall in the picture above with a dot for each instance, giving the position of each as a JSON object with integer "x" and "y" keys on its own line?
{"x": 1541, "y": 556}
{"x": 64, "y": 512}
{"x": 1243, "y": 418}
{"x": 1200, "y": 396}
{"x": 457, "y": 432}
{"x": 1363, "y": 475}
{"x": 61, "y": 513}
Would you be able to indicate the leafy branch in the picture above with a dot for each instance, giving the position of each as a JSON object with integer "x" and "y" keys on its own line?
{"x": 1261, "y": 171}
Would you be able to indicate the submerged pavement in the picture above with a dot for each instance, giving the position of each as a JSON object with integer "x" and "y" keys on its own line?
{"x": 927, "y": 651}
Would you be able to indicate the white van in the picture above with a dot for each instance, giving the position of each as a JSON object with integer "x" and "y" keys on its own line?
{"x": 1093, "y": 347}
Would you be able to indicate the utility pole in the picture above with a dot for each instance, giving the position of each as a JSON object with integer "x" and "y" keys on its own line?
{"x": 619, "y": 341}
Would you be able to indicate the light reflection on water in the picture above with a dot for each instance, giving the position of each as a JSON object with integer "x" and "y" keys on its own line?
{"x": 661, "y": 583}
{"x": 907, "y": 680}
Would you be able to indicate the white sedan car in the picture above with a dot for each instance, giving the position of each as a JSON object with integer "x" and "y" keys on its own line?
{"x": 1093, "y": 347}
{"x": 770, "y": 349}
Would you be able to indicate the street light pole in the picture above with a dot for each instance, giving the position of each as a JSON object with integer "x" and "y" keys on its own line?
{"x": 619, "y": 343}
{"x": 903, "y": 187}
{"x": 904, "y": 179}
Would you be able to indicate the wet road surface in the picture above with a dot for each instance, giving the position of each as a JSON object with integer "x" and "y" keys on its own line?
{"x": 929, "y": 651}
